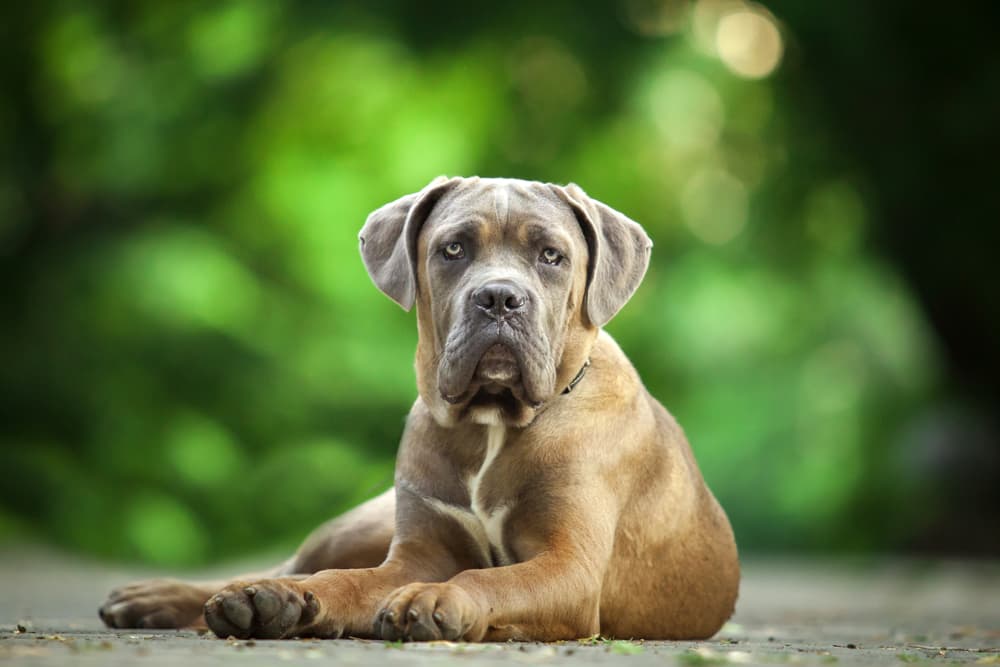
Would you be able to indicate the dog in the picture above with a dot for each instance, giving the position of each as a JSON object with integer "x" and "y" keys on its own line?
{"x": 540, "y": 492}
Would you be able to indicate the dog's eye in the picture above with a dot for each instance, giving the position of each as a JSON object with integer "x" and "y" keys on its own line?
{"x": 453, "y": 250}
{"x": 551, "y": 256}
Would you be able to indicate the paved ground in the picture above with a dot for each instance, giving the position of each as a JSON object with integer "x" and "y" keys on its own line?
{"x": 790, "y": 611}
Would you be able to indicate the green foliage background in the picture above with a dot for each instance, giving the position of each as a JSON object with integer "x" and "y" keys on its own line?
{"x": 196, "y": 365}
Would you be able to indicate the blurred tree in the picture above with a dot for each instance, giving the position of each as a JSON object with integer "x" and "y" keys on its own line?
{"x": 911, "y": 94}
{"x": 195, "y": 363}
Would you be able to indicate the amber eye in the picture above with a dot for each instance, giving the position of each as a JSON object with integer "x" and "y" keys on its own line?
{"x": 551, "y": 256}
{"x": 453, "y": 250}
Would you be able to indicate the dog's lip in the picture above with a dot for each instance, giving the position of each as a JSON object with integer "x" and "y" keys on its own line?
{"x": 471, "y": 362}
{"x": 468, "y": 395}
{"x": 497, "y": 369}
{"x": 476, "y": 388}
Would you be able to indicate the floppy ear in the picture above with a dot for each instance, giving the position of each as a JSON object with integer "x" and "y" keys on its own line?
{"x": 619, "y": 253}
{"x": 389, "y": 241}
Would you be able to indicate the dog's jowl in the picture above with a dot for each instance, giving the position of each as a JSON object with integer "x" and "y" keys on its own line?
{"x": 540, "y": 493}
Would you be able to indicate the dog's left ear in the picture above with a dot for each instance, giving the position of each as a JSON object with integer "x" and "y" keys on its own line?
{"x": 389, "y": 241}
{"x": 619, "y": 253}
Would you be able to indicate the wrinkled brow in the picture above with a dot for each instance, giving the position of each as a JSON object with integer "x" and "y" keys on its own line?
{"x": 473, "y": 225}
{"x": 538, "y": 231}
{"x": 531, "y": 231}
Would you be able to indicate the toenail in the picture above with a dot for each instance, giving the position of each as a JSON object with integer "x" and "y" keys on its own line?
{"x": 438, "y": 617}
{"x": 250, "y": 590}
{"x": 391, "y": 616}
{"x": 413, "y": 614}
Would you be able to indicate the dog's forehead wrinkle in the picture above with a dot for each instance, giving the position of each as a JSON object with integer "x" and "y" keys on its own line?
{"x": 455, "y": 226}
{"x": 503, "y": 199}
{"x": 501, "y": 203}
{"x": 506, "y": 236}
{"x": 537, "y": 230}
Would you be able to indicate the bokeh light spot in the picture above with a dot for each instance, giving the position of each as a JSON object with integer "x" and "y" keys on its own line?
{"x": 748, "y": 42}
{"x": 705, "y": 19}
{"x": 687, "y": 109}
{"x": 714, "y": 204}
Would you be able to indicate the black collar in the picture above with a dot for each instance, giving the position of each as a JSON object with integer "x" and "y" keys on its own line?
{"x": 576, "y": 380}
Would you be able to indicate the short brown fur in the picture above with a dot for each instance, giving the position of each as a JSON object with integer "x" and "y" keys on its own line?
{"x": 607, "y": 525}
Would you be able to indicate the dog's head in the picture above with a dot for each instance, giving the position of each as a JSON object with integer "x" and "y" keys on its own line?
{"x": 512, "y": 280}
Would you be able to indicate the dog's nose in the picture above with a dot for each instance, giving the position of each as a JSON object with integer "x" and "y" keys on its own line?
{"x": 499, "y": 299}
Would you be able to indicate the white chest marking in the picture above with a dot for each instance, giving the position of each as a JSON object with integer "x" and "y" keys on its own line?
{"x": 486, "y": 527}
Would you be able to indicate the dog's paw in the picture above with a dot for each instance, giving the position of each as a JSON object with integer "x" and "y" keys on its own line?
{"x": 266, "y": 609}
{"x": 428, "y": 612}
{"x": 157, "y": 603}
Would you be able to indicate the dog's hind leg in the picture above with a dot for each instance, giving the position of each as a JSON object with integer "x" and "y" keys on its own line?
{"x": 358, "y": 538}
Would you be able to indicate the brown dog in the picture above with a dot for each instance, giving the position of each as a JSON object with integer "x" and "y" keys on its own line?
{"x": 541, "y": 493}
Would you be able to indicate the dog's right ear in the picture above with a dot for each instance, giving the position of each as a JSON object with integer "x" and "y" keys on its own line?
{"x": 619, "y": 253}
{"x": 389, "y": 241}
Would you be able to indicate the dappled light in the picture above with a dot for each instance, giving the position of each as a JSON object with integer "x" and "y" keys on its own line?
{"x": 748, "y": 42}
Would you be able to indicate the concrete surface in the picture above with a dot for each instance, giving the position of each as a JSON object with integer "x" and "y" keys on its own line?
{"x": 876, "y": 612}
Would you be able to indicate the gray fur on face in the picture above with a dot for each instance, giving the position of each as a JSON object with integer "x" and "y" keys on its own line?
{"x": 504, "y": 224}
{"x": 469, "y": 338}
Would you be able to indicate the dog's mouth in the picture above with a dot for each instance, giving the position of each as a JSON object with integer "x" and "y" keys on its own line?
{"x": 498, "y": 390}
{"x": 502, "y": 400}
{"x": 495, "y": 372}
{"x": 496, "y": 384}
{"x": 496, "y": 381}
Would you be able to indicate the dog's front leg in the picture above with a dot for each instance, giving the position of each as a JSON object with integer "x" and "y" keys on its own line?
{"x": 330, "y": 603}
{"x": 553, "y": 595}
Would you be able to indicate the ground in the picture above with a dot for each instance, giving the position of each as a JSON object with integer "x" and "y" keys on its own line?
{"x": 872, "y": 612}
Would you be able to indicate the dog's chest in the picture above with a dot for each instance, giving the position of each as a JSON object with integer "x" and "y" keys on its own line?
{"x": 484, "y": 522}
